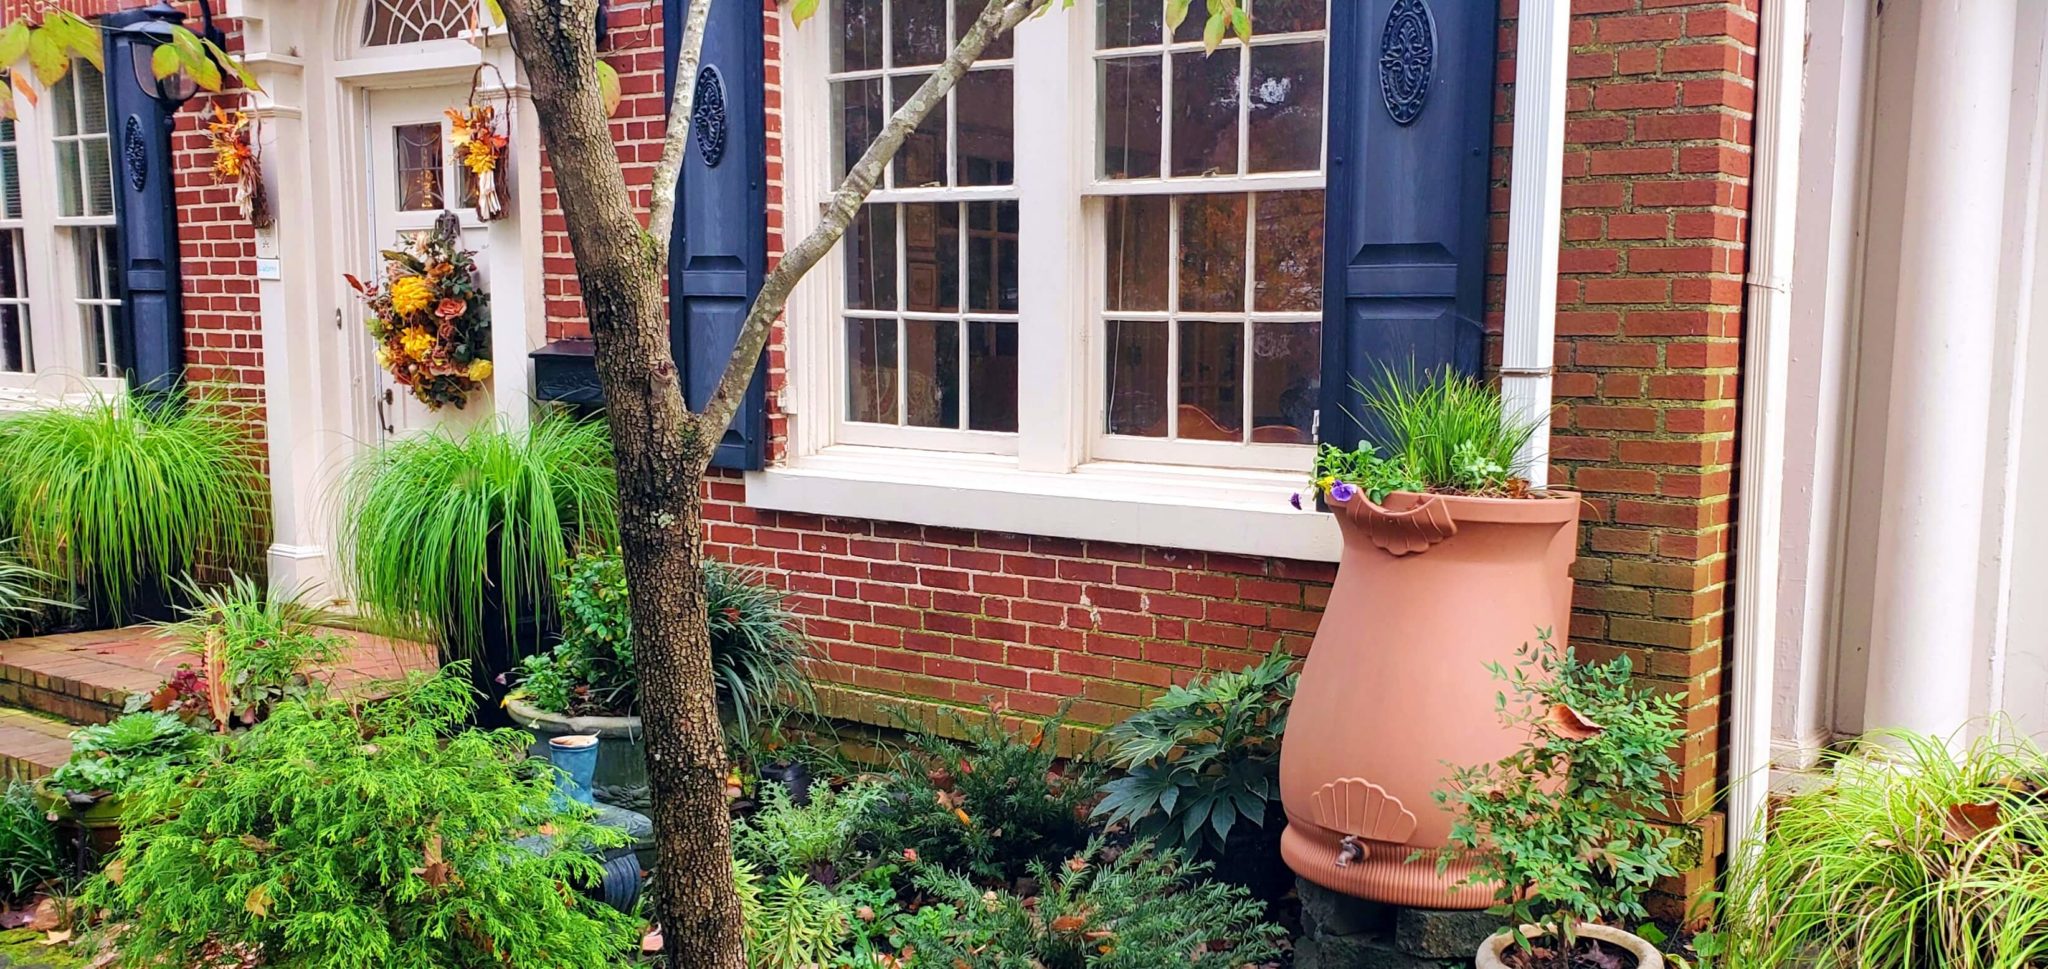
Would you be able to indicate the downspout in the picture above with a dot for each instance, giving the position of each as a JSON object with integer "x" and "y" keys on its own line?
{"x": 1535, "y": 214}
{"x": 1766, "y": 362}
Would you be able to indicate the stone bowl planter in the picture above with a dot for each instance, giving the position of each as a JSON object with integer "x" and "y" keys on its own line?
{"x": 621, "y": 775}
{"x": 1647, "y": 956}
{"x": 97, "y": 825}
{"x": 1430, "y": 589}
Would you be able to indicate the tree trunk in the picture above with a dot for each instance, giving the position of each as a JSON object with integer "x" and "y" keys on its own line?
{"x": 660, "y": 452}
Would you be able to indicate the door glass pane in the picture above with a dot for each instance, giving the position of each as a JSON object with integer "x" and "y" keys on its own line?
{"x": 1212, "y": 237}
{"x": 1289, "y": 240}
{"x": 992, "y": 376}
{"x": 416, "y": 151}
{"x": 1286, "y": 107}
{"x": 1205, "y": 113}
{"x": 871, "y": 374}
{"x": 1211, "y": 381}
{"x": 1137, "y": 234}
{"x": 1128, "y": 91}
{"x": 1137, "y": 375}
{"x": 932, "y": 354}
{"x": 1287, "y": 361}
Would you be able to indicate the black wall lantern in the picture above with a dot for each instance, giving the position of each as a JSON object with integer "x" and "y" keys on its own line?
{"x": 140, "y": 109}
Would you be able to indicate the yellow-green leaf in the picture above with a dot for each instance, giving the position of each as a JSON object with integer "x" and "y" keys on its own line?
{"x": 242, "y": 72}
{"x": 1241, "y": 22}
{"x": 1212, "y": 32}
{"x": 13, "y": 42}
{"x": 803, "y": 10}
{"x": 258, "y": 902}
{"x": 164, "y": 62}
{"x": 1176, "y": 11}
{"x": 82, "y": 38}
{"x": 203, "y": 70}
{"x": 497, "y": 12}
{"x": 46, "y": 56}
{"x": 608, "y": 87}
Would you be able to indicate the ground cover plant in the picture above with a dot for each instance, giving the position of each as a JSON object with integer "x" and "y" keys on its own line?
{"x": 338, "y": 835}
{"x": 1444, "y": 432}
{"x": 1911, "y": 854}
{"x": 120, "y": 495}
{"x": 113, "y": 758}
{"x": 30, "y": 856}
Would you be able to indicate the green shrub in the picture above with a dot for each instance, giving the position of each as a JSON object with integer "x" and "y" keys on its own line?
{"x": 1447, "y": 432}
{"x": 30, "y": 857}
{"x": 253, "y": 648}
{"x": 823, "y": 839}
{"x": 349, "y": 836}
{"x": 757, "y": 653}
{"x": 1558, "y": 826}
{"x": 1202, "y": 757}
{"x": 118, "y": 492}
{"x": 134, "y": 749}
{"x": 992, "y": 804}
{"x": 1910, "y": 855}
{"x": 792, "y": 922}
{"x": 1138, "y": 910}
{"x": 431, "y": 518}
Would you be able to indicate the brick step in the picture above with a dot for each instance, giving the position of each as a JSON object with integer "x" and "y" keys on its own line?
{"x": 32, "y": 745}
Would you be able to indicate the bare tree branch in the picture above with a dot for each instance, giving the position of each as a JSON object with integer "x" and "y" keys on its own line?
{"x": 661, "y": 212}
{"x": 999, "y": 16}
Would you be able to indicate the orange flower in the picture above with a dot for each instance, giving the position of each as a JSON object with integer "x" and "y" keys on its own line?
{"x": 450, "y": 308}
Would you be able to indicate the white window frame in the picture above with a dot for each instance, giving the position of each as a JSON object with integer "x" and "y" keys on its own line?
{"x": 1053, "y": 484}
{"x": 57, "y": 311}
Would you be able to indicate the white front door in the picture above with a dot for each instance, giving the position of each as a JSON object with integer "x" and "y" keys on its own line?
{"x": 413, "y": 175}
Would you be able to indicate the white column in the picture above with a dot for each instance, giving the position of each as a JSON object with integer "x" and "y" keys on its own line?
{"x": 1931, "y": 500}
{"x": 1535, "y": 214}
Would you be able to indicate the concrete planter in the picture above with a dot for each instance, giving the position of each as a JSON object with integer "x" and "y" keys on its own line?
{"x": 1430, "y": 589}
{"x": 621, "y": 774}
{"x": 1647, "y": 956}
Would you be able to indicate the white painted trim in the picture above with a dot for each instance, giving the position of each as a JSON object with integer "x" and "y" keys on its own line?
{"x": 1535, "y": 216}
{"x": 1237, "y": 512}
{"x": 1767, "y": 342}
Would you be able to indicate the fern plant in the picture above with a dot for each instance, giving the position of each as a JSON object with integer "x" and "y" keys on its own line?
{"x": 118, "y": 493}
{"x": 431, "y": 518}
{"x": 821, "y": 839}
{"x": 345, "y": 836}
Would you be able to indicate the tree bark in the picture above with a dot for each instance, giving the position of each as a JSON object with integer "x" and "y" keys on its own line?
{"x": 661, "y": 453}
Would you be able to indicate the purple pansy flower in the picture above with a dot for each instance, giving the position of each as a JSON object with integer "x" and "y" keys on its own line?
{"x": 1295, "y": 500}
{"x": 1343, "y": 491}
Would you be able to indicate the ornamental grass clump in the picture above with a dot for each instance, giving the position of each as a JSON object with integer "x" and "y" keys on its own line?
{"x": 338, "y": 835}
{"x": 431, "y": 519}
{"x": 119, "y": 495}
{"x": 1911, "y": 854}
{"x": 1447, "y": 433}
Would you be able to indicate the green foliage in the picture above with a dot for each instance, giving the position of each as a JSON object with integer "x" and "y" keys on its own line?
{"x": 822, "y": 839}
{"x": 432, "y": 517}
{"x": 132, "y": 750}
{"x": 24, "y": 591}
{"x": 1449, "y": 432}
{"x": 1912, "y": 854}
{"x": 757, "y": 653}
{"x": 254, "y": 648}
{"x": 379, "y": 836}
{"x": 30, "y": 857}
{"x": 121, "y": 490}
{"x": 1558, "y": 825}
{"x": 992, "y": 804}
{"x": 1139, "y": 910}
{"x": 792, "y": 922}
{"x": 1202, "y": 757}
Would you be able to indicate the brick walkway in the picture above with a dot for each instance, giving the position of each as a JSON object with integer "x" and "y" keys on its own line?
{"x": 49, "y": 684}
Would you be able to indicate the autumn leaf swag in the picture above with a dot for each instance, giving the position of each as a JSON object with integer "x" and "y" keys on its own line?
{"x": 430, "y": 318}
{"x": 478, "y": 133}
{"x": 237, "y": 162}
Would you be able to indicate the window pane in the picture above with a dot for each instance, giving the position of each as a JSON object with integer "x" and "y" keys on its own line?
{"x": 1137, "y": 377}
{"x": 861, "y": 115}
{"x": 1211, "y": 381}
{"x": 92, "y": 98}
{"x": 1287, "y": 360}
{"x": 1137, "y": 235}
{"x": 986, "y": 132}
{"x": 10, "y": 172}
{"x": 14, "y": 338}
{"x": 99, "y": 347}
{"x": 917, "y": 32}
{"x": 1287, "y": 108}
{"x": 1212, "y": 236}
{"x": 992, "y": 376}
{"x": 64, "y": 105}
{"x": 931, "y": 256}
{"x": 1205, "y": 113}
{"x": 932, "y": 352}
{"x": 871, "y": 371}
{"x": 99, "y": 178}
{"x": 870, "y": 245}
{"x": 70, "y": 176}
{"x": 417, "y": 149}
{"x": 992, "y": 256}
{"x": 921, "y": 162}
{"x": 1129, "y": 23}
{"x": 1131, "y": 115}
{"x": 856, "y": 35}
{"x": 1190, "y": 29}
{"x": 1287, "y": 16}
{"x": 13, "y": 266}
{"x": 1289, "y": 241}
{"x": 964, "y": 12}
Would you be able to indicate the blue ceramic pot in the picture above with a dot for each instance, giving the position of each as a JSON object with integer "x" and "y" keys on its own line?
{"x": 575, "y": 756}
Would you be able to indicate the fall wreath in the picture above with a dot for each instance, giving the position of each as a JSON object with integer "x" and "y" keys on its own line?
{"x": 430, "y": 318}
{"x": 237, "y": 162}
{"x": 476, "y": 132}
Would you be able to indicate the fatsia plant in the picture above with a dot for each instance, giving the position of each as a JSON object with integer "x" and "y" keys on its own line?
{"x": 340, "y": 835}
{"x": 120, "y": 494}
{"x": 432, "y": 518}
{"x": 1910, "y": 854}
{"x": 1202, "y": 757}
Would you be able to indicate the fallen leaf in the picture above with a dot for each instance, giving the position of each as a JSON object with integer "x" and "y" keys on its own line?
{"x": 48, "y": 915}
{"x": 1571, "y": 724}
{"x": 1069, "y": 923}
{"x": 57, "y": 937}
{"x": 1966, "y": 822}
{"x": 258, "y": 902}
{"x": 116, "y": 870}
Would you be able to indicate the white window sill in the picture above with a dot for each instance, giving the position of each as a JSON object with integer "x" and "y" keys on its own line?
{"x": 1161, "y": 506}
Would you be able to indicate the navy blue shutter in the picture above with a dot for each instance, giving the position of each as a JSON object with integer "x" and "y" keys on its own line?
{"x": 719, "y": 252}
{"x": 150, "y": 340}
{"x": 1411, "y": 123}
